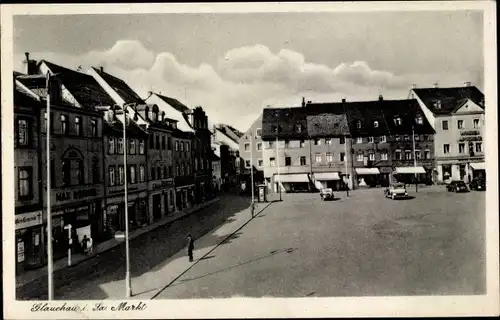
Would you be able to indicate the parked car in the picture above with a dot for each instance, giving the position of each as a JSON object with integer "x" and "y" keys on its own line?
{"x": 478, "y": 184}
{"x": 396, "y": 191}
{"x": 326, "y": 194}
{"x": 457, "y": 186}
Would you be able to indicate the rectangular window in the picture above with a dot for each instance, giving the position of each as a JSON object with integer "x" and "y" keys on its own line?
{"x": 475, "y": 123}
{"x": 358, "y": 124}
{"x": 288, "y": 161}
{"x": 187, "y": 146}
{"x": 397, "y": 154}
{"x": 342, "y": 140}
{"x": 153, "y": 173}
{"x": 23, "y": 132}
{"x": 359, "y": 157}
{"x": 78, "y": 126}
{"x": 298, "y": 128}
{"x": 142, "y": 173}
{"x": 417, "y": 137}
{"x": 169, "y": 143}
{"x": 260, "y": 162}
{"x": 287, "y": 144}
{"x": 317, "y": 142}
{"x": 76, "y": 169}
{"x": 151, "y": 141}
{"x": 112, "y": 175}
{"x": 258, "y": 132}
{"x": 119, "y": 146}
{"x": 96, "y": 174}
{"x": 176, "y": 145}
{"x": 158, "y": 173}
{"x": 121, "y": 176}
{"x": 383, "y": 139}
{"x": 397, "y": 138}
{"x": 427, "y": 154}
{"x": 407, "y": 137}
{"x": 317, "y": 157}
{"x": 461, "y": 148}
{"x": 418, "y": 155}
{"x": 158, "y": 146}
{"x": 64, "y": 124}
{"x": 397, "y": 121}
{"x": 111, "y": 146}
{"x": 163, "y": 143}
{"x": 329, "y": 157}
{"x": 444, "y": 124}
{"x": 328, "y": 141}
{"x": 419, "y": 120}
{"x": 247, "y": 164}
{"x": 247, "y": 146}
{"x": 302, "y": 143}
{"x": 170, "y": 173}
{"x": 25, "y": 183}
{"x": 272, "y": 162}
{"x": 407, "y": 154}
{"x": 384, "y": 156}
{"x": 271, "y": 144}
{"x": 93, "y": 126}
{"x": 446, "y": 148}
{"x": 342, "y": 157}
{"x": 370, "y": 139}
{"x": 132, "y": 174}
{"x": 375, "y": 124}
{"x": 141, "y": 147}
{"x": 259, "y": 146}
{"x": 359, "y": 140}
{"x": 460, "y": 124}
{"x": 371, "y": 156}
{"x": 303, "y": 161}
{"x": 479, "y": 147}
{"x": 132, "y": 147}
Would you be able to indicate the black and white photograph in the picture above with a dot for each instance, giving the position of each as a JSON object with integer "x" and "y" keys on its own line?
{"x": 249, "y": 160}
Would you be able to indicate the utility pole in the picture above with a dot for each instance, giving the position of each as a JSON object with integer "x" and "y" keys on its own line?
{"x": 251, "y": 171}
{"x": 278, "y": 156}
{"x": 414, "y": 158}
{"x": 345, "y": 162}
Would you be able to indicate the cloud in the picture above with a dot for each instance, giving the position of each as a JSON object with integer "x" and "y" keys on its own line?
{"x": 243, "y": 81}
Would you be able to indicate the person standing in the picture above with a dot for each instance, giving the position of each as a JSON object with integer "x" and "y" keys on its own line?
{"x": 85, "y": 241}
{"x": 190, "y": 247}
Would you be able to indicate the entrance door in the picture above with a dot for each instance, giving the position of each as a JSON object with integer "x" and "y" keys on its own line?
{"x": 157, "y": 206}
{"x": 165, "y": 202}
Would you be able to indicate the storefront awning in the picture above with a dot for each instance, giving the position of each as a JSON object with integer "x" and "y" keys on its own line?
{"x": 367, "y": 171}
{"x": 478, "y": 165}
{"x": 325, "y": 176}
{"x": 302, "y": 177}
{"x": 410, "y": 170}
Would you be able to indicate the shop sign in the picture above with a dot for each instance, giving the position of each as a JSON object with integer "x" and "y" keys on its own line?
{"x": 471, "y": 138}
{"x": 162, "y": 184}
{"x": 75, "y": 195}
{"x": 471, "y": 135}
{"x": 29, "y": 219}
{"x": 20, "y": 251}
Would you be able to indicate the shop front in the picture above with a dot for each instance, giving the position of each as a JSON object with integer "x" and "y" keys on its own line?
{"x": 410, "y": 175}
{"x": 478, "y": 170}
{"x": 29, "y": 240}
{"x": 137, "y": 207}
{"x": 328, "y": 180}
{"x": 461, "y": 169}
{"x": 184, "y": 197}
{"x": 160, "y": 194}
{"x": 367, "y": 177}
{"x": 295, "y": 182}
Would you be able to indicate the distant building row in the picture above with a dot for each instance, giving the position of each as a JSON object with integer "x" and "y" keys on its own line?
{"x": 436, "y": 134}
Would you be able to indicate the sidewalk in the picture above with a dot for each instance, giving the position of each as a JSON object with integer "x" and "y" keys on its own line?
{"x": 151, "y": 284}
{"x": 33, "y": 275}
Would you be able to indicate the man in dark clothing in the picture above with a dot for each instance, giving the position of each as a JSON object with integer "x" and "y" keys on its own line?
{"x": 85, "y": 241}
{"x": 190, "y": 248}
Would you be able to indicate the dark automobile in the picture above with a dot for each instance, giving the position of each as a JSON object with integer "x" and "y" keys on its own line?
{"x": 326, "y": 194}
{"x": 478, "y": 184}
{"x": 457, "y": 186}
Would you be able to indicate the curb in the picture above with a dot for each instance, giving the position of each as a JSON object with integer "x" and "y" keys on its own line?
{"x": 96, "y": 254}
{"x": 213, "y": 249}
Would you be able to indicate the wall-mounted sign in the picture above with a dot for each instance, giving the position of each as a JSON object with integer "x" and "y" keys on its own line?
{"x": 470, "y": 133}
{"x": 75, "y": 195}
{"x": 470, "y": 138}
{"x": 26, "y": 220}
{"x": 162, "y": 184}
{"x": 20, "y": 251}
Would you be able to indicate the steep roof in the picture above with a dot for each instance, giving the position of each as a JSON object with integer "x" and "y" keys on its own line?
{"x": 120, "y": 87}
{"x": 82, "y": 86}
{"x": 116, "y": 128}
{"x": 292, "y": 123}
{"x": 36, "y": 83}
{"x": 176, "y": 104}
{"x": 449, "y": 98}
{"x": 326, "y": 120}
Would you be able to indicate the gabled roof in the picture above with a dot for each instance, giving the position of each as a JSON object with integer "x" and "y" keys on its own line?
{"x": 36, "y": 83}
{"x": 326, "y": 120}
{"x": 116, "y": 128}
{"x": 449, "y": 98}
{"x": 176, "y": 104}
{"x": 292, "y": 123}
{"x": 120, "y": 87}
{"x": 82, "y": 86}
{"x": 226, "y": 131}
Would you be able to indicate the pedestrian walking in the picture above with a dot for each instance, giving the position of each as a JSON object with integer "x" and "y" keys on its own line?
{"x": 252, "y": 208}
{"x": 85, "y": 241}
{"x": 190, "y": 247}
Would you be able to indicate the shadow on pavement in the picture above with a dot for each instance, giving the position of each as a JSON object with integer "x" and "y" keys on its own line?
{"x": 147, "y": 252}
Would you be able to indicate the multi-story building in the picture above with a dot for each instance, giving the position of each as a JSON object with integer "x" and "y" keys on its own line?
{"x": 76, "y": 158}
{"x": 286, "y": 151}
{"x": 457, "y": 116}
{"x": 231, "y": 163}
{"x": 382, "y": 142}
{"x": 251, "y": 148}
{"x": 201, "y": 153}
{"x": 329, "y": 144}
{"x": 30, "y": 237}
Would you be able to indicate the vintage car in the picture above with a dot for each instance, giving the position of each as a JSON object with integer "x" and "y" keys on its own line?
{"x": 326, "y": 194}
{"x": 478, "y": 184}
{"x": 457, "y": 186}
{"x": 396, "y": 191}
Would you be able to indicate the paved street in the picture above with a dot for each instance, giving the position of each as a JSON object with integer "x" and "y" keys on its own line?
{"x": 364, "y": 245}
{"x": 150, "y": 251}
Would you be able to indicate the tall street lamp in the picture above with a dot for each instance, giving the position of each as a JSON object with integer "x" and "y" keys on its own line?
{"x": 128, "y": 283}
{"x": 278, "y": 185}
{"x": 50, "y": 258}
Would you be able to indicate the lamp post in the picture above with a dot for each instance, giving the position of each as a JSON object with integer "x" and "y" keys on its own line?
{"x": 251, "y": 171}
{"x": 128, "y": 283}
{"x": 414, "y": 158}
{"x": 277, "y": 153}
{"x": 345, "y": 162}
{"x": 50, "y": 261}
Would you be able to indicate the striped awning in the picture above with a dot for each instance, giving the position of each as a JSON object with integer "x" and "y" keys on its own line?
{"x": 300, "y": 177}
{"x": 367, "y": 171}
{"x": 325, "y": 176}
{"x": 478, "y": 165}
{"x": 410, "y": 170}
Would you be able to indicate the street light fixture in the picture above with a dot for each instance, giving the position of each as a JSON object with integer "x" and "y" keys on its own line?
{"x": 128, "y": 283}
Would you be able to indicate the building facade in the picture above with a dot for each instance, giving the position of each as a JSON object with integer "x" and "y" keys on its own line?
{"x": 201, "y": 154}
{"x": 251, "y": 153}
{"x": 457, "y": 116}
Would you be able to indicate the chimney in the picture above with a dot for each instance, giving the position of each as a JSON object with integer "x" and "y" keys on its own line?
{"x": 30, "y": 65}
{"x": 413, "y": 86}
{"x": 101, "y": 68}
{"x": 303, "y": 102}
{"x": 343, "y": 100}
{"x": 380, "y": 97}
{"x": 468, "y": 84}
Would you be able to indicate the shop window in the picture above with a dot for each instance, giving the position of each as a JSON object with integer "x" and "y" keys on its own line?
{"x": 25, "y": 183}
{"x": 23, "y": 132}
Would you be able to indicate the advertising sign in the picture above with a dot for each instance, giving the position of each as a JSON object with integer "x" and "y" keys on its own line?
{"x": 20, "y": 251}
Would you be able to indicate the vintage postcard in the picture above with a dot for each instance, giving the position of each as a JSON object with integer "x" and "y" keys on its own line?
{"x": 249, "y": 160}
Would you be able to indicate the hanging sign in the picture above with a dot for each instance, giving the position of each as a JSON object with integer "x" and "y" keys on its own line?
{"x": 20, "y": 251}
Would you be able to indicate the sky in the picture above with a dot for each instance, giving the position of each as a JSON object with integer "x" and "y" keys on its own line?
{"x": 235, "y": 64}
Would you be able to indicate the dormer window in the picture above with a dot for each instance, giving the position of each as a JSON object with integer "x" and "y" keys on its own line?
{"x": 419, "y": 120}
{"x": 397, "y": 121}
{"x": 375, "y": 124}
{"x": 437, "y": 104}
{"x": 298, "y": 127}
{"x": 358, "y": 124}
